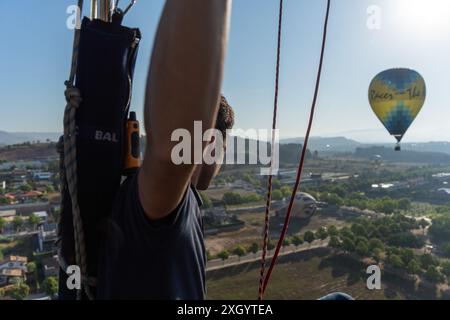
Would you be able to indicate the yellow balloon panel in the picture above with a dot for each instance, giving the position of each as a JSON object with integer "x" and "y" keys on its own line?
{"x": 396, "y": 97}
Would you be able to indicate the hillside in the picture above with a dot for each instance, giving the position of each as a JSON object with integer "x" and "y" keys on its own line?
{"x": 28, "y": 152}
{"x": 9, "y": 138}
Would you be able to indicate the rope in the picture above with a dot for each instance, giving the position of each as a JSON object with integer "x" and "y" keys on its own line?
{"x": 274, "y": 126}
{"x": 302, "y": 159}
{"x": 73, "y": 98}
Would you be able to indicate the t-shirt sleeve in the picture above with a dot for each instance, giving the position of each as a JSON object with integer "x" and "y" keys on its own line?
{"x": 134, "y": 216}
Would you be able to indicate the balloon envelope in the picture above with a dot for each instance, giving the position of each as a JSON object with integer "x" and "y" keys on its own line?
{"x": 396, "y": 97}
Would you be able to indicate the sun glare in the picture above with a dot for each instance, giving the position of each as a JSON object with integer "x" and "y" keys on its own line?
{"x": 423, "y": 17}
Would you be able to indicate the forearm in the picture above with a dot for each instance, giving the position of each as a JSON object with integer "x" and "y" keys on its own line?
{"x": 186, "y": 69}
{"x": 183, "y": 86}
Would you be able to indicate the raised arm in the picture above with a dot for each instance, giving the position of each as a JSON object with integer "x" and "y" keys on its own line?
{"x": 183, "y": 86}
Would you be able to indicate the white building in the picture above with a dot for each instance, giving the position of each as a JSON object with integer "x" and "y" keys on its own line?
{"x": 42, "y": 215}
{"x": 42, "y": 175}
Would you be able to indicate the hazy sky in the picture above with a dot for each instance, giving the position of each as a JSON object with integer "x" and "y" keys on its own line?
{"x": 36, "y": 50}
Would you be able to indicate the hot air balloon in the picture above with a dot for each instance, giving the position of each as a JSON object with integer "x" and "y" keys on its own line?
{"x": 305, "y": 206}
{"x": 396, "y": 97}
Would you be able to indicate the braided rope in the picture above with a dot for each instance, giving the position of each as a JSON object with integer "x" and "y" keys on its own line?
{"x": 73, "y": 99}
{"x": 274, "y": 126}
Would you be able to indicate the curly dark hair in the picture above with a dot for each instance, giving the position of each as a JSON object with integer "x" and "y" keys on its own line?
{"x": 225, "y": 117}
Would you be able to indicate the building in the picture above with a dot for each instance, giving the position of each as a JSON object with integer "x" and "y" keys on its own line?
{"x": 42, "y": 176}
{"x": 42, "y": 215}
{"x": 7, "y": 274}
{"x": 47, "y": 237}
{"x": 14, "y": 262}
{"x": 27, "y": 209}
{"x": 7, "y": 213}
{"x": 12, "y": 267}
{"x": 216, "y": 216}
{"x": 30, "y": 196}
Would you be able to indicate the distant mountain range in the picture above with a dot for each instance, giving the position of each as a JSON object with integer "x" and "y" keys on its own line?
{"x": 322, "y": 144}
{"x": 342, "y": 144}
{"x": 7, "y": 138}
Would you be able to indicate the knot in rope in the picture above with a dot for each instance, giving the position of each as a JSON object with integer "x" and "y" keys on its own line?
{"x": 73, "y": 96}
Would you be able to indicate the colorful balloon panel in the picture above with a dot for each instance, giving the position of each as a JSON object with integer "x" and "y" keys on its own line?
{"x": 396, "y": 97}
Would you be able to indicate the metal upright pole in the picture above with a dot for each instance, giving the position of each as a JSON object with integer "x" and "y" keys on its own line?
{"x": 105, "y": 10}
{"x": 94, "y": 10}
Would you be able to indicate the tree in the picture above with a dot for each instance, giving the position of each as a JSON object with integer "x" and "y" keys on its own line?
{"x": 333, "y": 199}
{"x": 208, "y": 255}
{"x": 359, "y": 230}
{"x": 377, "y": 254}
{"x": 405, "y": 239}
{"x": 239, "y": 251}
{"x": 440, "y": 229}
{"x": 348, "y": 244}
{"x": 427, "y": 261}
{"x": 361, "y": 248}
{"x": 446, "y": 249}
{"x": 207, "y": 203}
{"x": 50, "y": 286}
{"x": 423, "y": 223}
{"x": 286, "y": 242}
{"x": 17, "y": 223}
{"x": 287, "y": 191}
{"x": 34, "y": 220}
{"x": 224, "y": 255}
{"x": 433, "y": 275}
{"x": 383, "y": 230}
{"x": 19, "y": 291}
{"x": 446, "y": 268}
{"x": 297, "y": 240}
{"x": 49, "y": 189}
{"x": 395, "y": 261}
{"x": 322, "y": 233}
{"x": 309, "y": 237}
{"x": 346, "y": 233}
{"x": 2, "y": 292}
{"x": 16, "y": 280}
{"x": 332, "y": 230}
{"x": 277, "y": 194}
{"x": 31, "y": 267}
{"x": 231, "y": 198}
{"x": 334, "y": 242}
{"x": 1, "y": 255}
{"x": 413, "y": 267}
{"x": 404, "y": 204}
{"x": 2, "y": 224}
{"x": 375, "y": 244}
{"x": 26, "y": 188}
{"x": 253, "y": 197}
{"x": 254, "y": 248}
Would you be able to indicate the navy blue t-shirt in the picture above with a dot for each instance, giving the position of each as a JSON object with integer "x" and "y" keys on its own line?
{"x": 156, "y": 260}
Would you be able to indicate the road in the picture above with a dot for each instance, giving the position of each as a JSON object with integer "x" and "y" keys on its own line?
{"x": 235, "y": 261}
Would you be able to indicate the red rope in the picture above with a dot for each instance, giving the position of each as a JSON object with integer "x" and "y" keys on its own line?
{"x": 274, "y": 126}
{"x": 302, "y": 159}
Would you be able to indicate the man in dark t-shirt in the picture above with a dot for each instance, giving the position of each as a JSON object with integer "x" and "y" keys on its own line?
{"x": 153, "y": 246}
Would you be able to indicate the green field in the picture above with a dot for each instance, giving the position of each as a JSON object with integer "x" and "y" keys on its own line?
{"x": 307, "y": 276}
